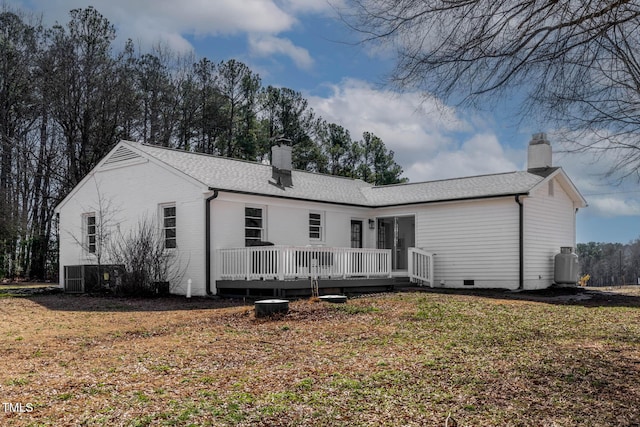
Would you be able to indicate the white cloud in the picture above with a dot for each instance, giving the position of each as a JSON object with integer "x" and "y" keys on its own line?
{"x": 266, "y": 45}
{"x": 420, "y": 130}
{"x": 481, "y": 154}
{"x": 219, "y": 17}
{"x": 405, "y": 121}
{"x": 150, "y": 21}
{"x": 611, "y": 206}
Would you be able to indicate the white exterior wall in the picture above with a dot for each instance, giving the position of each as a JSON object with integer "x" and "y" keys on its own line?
{"x": 549, "y": 223}
{"x": 475, "y": 240}
{"x": 135, "y": 191}
{"x": 287, "y": 221}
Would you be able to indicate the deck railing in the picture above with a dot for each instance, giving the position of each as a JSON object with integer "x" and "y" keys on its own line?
{"x": 292, "y": 262}
{"x": 420, "y": 266}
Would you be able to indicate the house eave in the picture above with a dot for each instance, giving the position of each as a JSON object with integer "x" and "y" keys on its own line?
{"x": 375, "y": 205}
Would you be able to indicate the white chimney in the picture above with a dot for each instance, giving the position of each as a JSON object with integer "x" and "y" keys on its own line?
{"x": 281, "y": 166}
{"x": 281, "y": 157}
{"x": 539, "y": 154}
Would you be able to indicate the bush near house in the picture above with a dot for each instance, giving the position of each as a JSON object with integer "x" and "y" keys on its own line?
{"x": 147, "y": 264}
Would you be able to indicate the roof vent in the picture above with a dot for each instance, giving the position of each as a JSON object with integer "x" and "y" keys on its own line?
{"x": 281, "y": 165}
{"x": 122, "y": 154}
{"x": 539, "y": 153}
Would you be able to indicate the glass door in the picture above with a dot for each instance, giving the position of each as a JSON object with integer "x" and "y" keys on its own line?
{"x": 398, "y": 234}
{"x": 356, "y": 233}
{"x": 357, "y": 258}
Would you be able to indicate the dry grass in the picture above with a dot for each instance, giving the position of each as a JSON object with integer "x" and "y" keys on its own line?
{"x": 400, "y": 359}
{"x": 24, "y": 285}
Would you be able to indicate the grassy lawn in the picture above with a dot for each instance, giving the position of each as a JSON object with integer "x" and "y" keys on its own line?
{"x": 406, "y": 359}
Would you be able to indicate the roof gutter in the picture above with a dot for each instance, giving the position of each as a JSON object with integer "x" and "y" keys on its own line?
{"x": 521, "y": 243}
{"x": 374, "y": 206}
{"x": 207, "y": 234}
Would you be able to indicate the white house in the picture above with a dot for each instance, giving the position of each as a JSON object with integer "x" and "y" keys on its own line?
{"x": 490, "y": 231}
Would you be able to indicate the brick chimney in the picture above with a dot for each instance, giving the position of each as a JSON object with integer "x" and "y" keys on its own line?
{"x": 539, "y": 153}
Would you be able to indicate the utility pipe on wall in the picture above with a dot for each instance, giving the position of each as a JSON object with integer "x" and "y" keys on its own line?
{"x": 521, "y": 242}
{"x": 207, "y": 238}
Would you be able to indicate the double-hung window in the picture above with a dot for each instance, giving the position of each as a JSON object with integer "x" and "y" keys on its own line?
{"x": 169, "y": 226}
{"x": 90, "y": 232}
{"x": 253, "y": 225}
{"x": 316, "y": 225}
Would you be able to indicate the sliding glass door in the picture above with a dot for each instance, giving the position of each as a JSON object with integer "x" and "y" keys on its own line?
{"x": 398, "y": 234}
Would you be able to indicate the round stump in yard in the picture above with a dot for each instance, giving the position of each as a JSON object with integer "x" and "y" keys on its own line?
{"x": 267, "y": 307}
{"x": 336, "y": 299}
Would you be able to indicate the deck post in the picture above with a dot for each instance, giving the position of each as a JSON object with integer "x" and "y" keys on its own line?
{"x": 247, "y": 264}
{"x": 431, "y": 271}
{"x": 410, "y": 265}
{"x": 280, "y": 253}
{"x": 345, "y": 262}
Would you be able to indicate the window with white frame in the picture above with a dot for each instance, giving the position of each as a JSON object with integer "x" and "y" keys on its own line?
{"x": 90, "y": 232}
{"x": 169, "y": 226}
{"x": 316, "y": 225}
{"x": 253, "y": 225}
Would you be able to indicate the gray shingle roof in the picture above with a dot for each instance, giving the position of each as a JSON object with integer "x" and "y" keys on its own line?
{"x": 473, "y": 187}
{"x": 250, "y": 177}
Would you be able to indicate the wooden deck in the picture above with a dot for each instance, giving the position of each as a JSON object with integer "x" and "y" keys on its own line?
{"x": 302, "y": 287}
{"x": 286, "y": 271}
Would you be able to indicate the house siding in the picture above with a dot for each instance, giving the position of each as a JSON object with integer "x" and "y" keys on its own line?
{"x": 476, "y": 241}
{"x": 549, "y": 223}
{"x": 287, "y": 221}
{"x": 154, "y": 186}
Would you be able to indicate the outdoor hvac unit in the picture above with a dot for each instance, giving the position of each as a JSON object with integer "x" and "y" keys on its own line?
{"x": 86, "y": 278}
{"x": 566, "y": 267}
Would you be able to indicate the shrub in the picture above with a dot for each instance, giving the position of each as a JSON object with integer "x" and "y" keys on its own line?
{"x": 145, "y": 260}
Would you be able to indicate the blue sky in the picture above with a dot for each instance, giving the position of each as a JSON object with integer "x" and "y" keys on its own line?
{"x": 301, "y": 45}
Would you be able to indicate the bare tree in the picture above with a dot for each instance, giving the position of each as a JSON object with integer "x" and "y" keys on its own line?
{"x": 98, "y": 229}
{"x": 238, "y": 85}
{"x": 83, "y": 72}
{"x": 145, "y": 259}
{"x": 574, "y": 62}
{"x": 18, "y": 45}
